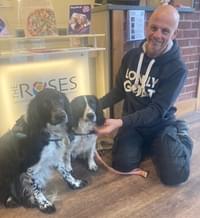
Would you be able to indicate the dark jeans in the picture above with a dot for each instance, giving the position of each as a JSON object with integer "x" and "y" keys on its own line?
{"x": 169, "y": 146}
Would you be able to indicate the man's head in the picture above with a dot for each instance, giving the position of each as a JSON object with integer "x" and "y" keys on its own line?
{"x": 161, "y": 30}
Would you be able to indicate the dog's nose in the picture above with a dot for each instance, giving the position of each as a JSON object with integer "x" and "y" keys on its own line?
{"x": 90, "y": 116}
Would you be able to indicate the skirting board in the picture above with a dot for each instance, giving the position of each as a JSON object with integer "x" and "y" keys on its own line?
{"x": 186, "y": 106}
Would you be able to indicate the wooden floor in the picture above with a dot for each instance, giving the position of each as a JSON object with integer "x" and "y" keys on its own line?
{"x": 113, "y": 196}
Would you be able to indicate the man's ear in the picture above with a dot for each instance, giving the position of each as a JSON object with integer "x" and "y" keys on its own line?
{"x": 175, "y": 34}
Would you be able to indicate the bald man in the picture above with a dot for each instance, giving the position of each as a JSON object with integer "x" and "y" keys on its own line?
{"x": 149, "y": 81}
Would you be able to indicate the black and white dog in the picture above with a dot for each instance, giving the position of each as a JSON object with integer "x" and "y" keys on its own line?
{"x": 35, "y": 146}
{"x": 87, "y": 114}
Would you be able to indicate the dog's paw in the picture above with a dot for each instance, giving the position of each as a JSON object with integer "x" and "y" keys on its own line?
{"x": 92, "y": 166}
{"x": 77, "y": 184}
{"x": 47, "y": 207}
{"x": 11, "y": 203}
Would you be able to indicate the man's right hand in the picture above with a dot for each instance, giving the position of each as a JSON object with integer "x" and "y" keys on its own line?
{"x": 109, "y": 127}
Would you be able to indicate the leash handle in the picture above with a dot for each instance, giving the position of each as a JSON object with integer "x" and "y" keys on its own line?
{"x": 136, "y": 171}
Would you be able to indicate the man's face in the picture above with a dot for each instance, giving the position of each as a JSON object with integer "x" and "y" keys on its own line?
{"x": 160, "y": 31}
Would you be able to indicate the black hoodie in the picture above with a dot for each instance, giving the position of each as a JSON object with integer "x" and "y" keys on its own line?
{"x": 148, "y": 86}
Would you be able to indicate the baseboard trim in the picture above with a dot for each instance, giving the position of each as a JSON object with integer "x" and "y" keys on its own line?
{"x": 186, "y": 106}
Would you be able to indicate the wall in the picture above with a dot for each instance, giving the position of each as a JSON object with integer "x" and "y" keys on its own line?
{"x": 189, "y": 41}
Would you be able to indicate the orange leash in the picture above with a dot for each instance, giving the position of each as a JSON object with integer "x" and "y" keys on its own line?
{"x": 136, "y": 171}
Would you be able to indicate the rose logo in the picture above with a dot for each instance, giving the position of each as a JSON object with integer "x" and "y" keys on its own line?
{"x": 39, "y": 86}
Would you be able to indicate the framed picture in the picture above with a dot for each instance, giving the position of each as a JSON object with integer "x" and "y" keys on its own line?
{"x": 79, "y": 19}
{"x": 38, "y": 18}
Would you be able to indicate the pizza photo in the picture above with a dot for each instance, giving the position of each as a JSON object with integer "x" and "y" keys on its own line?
{"x": 41, "y": 22}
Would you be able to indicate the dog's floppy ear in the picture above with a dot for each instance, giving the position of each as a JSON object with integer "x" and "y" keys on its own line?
{"x": 34, "y": 117}
{"x": 99, "y": 114}
{"x": 68, "y": 110}
{"x": 77, "y": 107}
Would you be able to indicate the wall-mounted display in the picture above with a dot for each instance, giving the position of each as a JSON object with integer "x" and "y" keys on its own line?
{"x": 135, "y": 25}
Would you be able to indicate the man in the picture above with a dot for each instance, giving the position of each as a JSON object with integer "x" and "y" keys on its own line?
{"x": 149, "y": 81}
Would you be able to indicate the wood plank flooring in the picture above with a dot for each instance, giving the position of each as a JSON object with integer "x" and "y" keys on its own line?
{"x": 113, "y": 196}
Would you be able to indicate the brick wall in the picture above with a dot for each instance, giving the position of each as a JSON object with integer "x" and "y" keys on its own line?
{"x": 189, "y": 41}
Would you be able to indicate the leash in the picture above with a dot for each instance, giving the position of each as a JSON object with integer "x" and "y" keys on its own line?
{"x": 136, "y": 171}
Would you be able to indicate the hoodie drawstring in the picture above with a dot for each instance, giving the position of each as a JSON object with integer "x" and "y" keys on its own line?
{"x": 141, "y": 89}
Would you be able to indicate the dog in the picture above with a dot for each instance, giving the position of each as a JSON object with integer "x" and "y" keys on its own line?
{"x": 32, "y": 148}
{"x": 87, "y": 114}
{"x": 37, "y": 176}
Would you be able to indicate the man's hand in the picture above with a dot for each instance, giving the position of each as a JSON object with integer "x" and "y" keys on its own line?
{"x": 109, "y": 127}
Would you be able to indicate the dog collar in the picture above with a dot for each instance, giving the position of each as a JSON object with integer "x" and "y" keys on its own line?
{"x": 56, "y": 141}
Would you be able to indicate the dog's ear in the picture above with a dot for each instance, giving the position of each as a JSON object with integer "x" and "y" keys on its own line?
{"x": 77, "y": 107}
{"x": 99, "y": 114}
{"x": 68, "y": 110}
{"x": 35, "y": 119}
